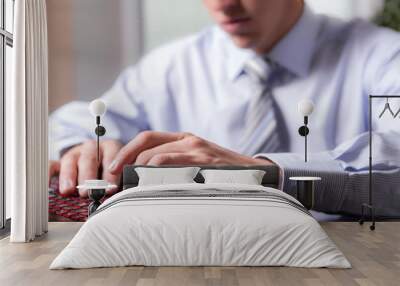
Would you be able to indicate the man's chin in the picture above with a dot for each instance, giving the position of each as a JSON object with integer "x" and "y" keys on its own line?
{"x": 243, "y": 42}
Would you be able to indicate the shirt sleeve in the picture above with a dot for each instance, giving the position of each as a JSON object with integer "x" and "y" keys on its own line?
{"x": 382, "y": 68}
{"x": 341, "y": 169}
{"x": 344, "y": 168}
{"x": 126, "y": 113}
{"x": 125, "y": 116}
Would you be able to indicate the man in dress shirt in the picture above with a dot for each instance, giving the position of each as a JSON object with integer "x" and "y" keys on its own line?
{"x": 186, "y": 102}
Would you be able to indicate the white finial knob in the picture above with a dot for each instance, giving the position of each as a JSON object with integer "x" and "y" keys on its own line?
{"x": 305, "y": 107}
{"x": 97, "y": 107}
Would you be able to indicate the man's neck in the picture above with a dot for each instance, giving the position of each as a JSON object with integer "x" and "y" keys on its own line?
{"x": 291, "y": 18}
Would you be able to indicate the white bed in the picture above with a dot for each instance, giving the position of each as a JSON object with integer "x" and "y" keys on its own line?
{"x": 221, "y": 225}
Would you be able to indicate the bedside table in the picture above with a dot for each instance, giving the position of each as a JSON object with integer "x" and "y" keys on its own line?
{"x": 305, "y": 190}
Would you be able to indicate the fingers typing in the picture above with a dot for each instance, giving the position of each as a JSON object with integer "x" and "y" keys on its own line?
{"x": 54, "y": 168}
{"x": 143, "y": 141}
{"x": 87, "y": 164}
{"x": 109, "y": 150}
{"x": 68, "y": 172}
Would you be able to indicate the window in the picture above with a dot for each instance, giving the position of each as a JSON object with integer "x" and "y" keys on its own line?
{"x": 6, "y": 43}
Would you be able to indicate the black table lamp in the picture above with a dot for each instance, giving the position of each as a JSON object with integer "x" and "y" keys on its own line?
{"x": 97, "y": 187}
{"x": 97, "y": 108}
{"x": 305, "y": 185}
{"x": 305, "y": 108}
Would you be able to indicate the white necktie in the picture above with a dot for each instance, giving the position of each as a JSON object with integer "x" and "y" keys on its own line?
{"x": 260, "y": 128}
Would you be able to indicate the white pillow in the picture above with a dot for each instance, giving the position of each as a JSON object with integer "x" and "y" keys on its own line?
{"x": 248, "y": 177}
{"x": 162, "y": 176}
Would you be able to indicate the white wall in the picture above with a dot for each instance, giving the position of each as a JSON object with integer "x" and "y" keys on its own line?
{"x": 167, "y": 20}
{"x": 347, "y": 9}
{"x": 107, "y": 37}
{"x": 96, "y": 41}
{"x": 131, "y": 30}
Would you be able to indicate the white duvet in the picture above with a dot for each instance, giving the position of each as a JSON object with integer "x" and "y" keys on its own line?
{"x": 206, "y": 230}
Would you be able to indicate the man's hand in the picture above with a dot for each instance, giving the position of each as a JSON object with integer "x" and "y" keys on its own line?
{"x": 148, "y": 148}
{"x": 160, "y": 148}
{"x": 80, "y": 163}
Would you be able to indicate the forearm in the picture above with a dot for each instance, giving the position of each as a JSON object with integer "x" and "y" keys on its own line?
{"x": 73, "y": 124}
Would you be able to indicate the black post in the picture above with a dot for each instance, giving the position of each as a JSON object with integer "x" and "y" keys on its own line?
{"x": 303, "y": 131}
{"x": 98, "y": 148}
{"x": 370, "y": 150}
{"x": 370, "y": 206}
{"x": 305, "y": 137}
{"x": 95, "y": 195}
{"x": 305, "y": 193}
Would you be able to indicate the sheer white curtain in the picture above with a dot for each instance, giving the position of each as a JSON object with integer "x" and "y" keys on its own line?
{"x": 26, "y": 118}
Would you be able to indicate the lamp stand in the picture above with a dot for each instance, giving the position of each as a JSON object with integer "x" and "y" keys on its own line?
{"x": 95, "y": 195}
{"x": 304, "y": 131}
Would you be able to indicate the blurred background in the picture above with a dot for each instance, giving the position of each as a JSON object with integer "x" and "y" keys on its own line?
{"x": 92, "y": 41}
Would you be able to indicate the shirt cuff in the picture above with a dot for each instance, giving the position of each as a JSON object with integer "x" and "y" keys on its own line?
{"x": 293, "y": 165}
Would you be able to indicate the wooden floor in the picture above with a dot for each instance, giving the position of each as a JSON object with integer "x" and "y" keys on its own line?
{"x": 375, "y": 257}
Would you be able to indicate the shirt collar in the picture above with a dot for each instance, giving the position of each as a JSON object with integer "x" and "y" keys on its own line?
{"x": 293, "y": 52}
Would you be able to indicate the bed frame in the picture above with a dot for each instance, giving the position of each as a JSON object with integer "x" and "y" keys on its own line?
{"x": 130, "y": 178}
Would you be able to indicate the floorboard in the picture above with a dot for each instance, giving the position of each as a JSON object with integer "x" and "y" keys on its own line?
{"x": 375, "y": 257}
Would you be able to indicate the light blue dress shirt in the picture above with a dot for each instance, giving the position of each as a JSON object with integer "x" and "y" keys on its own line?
{"x": 197, "y": 84}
